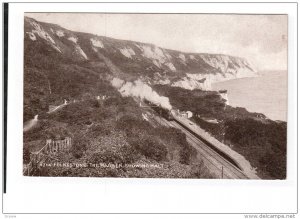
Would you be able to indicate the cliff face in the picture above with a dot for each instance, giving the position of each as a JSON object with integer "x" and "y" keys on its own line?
{"x": 147, "y": 62}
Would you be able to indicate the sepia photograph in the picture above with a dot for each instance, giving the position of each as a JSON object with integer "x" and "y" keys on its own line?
{"x": 193, "y": 96}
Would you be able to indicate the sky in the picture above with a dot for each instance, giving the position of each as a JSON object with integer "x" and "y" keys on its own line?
{"x": 261, "y": 39}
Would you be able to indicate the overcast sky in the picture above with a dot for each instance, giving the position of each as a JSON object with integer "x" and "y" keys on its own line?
{"x": 262, "y": 39}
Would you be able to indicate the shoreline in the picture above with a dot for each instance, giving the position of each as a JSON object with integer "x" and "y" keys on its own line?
{"x": 243, "y": 91}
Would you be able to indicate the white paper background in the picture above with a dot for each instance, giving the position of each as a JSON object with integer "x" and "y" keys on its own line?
{"x": 58, "y": 195}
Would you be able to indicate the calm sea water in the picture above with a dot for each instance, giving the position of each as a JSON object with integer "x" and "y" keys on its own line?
{"x": 266, "y": 94}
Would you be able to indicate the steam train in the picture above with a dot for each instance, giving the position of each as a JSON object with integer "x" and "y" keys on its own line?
{"x": 160, "y": 110}
{"x": 167, "y": 114}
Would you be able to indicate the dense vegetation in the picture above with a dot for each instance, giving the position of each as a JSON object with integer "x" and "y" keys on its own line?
{"x": 113, "y": 132}
{"x": 109, "y": 130}
{"x": 260, "y": 140}
{"x": 50, "y": 77}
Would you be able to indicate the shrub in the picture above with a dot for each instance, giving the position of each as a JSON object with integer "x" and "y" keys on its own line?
{"x": 100, "y": 129}
{"x": 123, "y": 155}
{"x": 79, "y": 146}
{"x": 149, "y": 147}
{"x": 264, "y": 144}
{"x": 176, "y": 141}
{"x": 132, "y": 126}
{"x": 201, "y": 171}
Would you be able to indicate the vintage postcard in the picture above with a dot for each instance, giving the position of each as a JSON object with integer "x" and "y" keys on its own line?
{"x": 155, "y": 95}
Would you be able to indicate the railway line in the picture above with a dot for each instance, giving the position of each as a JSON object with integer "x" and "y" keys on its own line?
{"x": 221, "y": 167}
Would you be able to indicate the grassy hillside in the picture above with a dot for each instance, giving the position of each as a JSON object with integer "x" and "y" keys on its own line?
{"x": 113, "y": 132}
{"x": 109, "y": 131}
{"x": 50, "y": 77}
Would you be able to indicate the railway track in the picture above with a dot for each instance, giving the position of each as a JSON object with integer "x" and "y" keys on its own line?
{"x": 214, "y": 161}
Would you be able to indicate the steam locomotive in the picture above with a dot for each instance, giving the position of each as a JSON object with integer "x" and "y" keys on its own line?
{"x": 160, "y": 110}
{"x": 167, "y": 114}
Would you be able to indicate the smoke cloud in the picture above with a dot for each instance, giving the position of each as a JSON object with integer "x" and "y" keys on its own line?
{"x": 141, "y": 90}
{"x": 117, "y": 83}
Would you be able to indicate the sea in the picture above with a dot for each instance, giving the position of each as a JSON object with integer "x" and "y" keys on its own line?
{"x": 265, "y": 94}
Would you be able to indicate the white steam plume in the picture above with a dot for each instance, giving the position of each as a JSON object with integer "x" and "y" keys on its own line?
{"x": 117, "y": 82}
{"x": 141, "y": 90}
